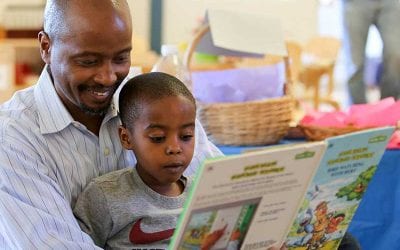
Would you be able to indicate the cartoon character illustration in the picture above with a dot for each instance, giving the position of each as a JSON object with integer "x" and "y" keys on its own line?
{"x": 235, "y": 240}
{"x": 212, "y": 238}
{"x": 316, "y": 228}
{"x": 195, "y": 233}
{"x": 306, "y": 227}
{"x": 305, "y": 222}
{"x": 334, "y": 222}
{"x": 359, "y": 188}
{"x": 312, "y": 194}
{"x": 320, "y": 225}
{"x": 356, "y": 189}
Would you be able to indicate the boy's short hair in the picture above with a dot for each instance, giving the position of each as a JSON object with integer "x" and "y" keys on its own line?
{"x": 148, "y": 87}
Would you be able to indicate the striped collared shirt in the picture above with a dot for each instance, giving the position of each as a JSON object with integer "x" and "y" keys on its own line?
{"x": 47, "y": 158}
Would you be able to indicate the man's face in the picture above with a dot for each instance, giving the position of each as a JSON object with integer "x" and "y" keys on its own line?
{"x": 89, "y": 60}
{"x": 163, "y": 139}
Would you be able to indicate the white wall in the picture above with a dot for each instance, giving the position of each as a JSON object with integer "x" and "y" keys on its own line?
{"x": 140, "y": 11}
{"x": 180, "y": 18}
{"x": 22, "y": 15}
{"x": 299, "y": 18}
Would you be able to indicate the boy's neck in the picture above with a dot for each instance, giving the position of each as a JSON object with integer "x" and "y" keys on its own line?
{"x": 172, "y": 190}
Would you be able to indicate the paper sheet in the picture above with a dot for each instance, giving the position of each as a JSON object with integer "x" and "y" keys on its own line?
{"x": 246, "y": 32}
{"x": 299, "y": 18}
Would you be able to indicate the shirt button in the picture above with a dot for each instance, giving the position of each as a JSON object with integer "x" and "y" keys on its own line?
{"x": 106, "y": 151}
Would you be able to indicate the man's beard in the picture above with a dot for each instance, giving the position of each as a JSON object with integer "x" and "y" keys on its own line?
{"x": 93, "y": 112}
{"x": 88, "y": 110}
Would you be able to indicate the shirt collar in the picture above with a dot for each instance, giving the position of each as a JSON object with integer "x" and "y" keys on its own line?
{"x": 53, "y": 115}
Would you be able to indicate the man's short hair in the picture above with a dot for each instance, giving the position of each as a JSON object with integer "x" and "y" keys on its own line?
{"x": 56, "y": 11}
{"x": 54, "y": 14}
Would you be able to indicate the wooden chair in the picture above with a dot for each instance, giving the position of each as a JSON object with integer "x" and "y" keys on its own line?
{"x": 2, "y": 33}
{"x": 294, "y": 50}
{"x": 325, "y": 49}
{"x": 322, "y": 53}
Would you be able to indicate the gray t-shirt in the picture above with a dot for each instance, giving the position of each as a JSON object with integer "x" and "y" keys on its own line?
{"x": 119, "y": 211}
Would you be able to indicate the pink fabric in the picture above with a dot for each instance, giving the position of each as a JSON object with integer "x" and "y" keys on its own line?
{"x": 366, "y": 115}
{"x": 383, "y": 113}
{"x": 325, "y": 119}
{"x": 394, "y": 142}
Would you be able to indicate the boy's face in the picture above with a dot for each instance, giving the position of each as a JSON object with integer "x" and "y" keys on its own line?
{"x": 162, "y": 139}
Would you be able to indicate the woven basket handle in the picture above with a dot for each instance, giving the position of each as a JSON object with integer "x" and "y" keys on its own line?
{"x": 187, "y": 57}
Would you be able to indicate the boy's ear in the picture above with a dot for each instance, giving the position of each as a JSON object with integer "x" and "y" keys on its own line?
{"x": 45, "y": 45}
{"x": 124, "y": 137}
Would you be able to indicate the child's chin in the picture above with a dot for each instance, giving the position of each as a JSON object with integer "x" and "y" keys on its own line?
{"x": 178, "y": 171}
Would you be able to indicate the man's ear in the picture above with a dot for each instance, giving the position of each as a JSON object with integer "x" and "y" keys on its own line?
{"x": 45, "y": 45}
{"x": 124, "y": 137}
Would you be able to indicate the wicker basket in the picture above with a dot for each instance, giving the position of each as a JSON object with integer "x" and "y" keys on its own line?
{"x": 246, "y": 123}
{"x": 317, "y": 133}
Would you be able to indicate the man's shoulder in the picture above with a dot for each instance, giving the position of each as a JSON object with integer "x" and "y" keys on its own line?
{"x": 22, "y": 102}
{"x": 18, "y": 114}
{"x": 21, "y": 99}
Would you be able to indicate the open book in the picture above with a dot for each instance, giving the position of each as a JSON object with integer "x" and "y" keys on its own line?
{"x": 304, "y": 195}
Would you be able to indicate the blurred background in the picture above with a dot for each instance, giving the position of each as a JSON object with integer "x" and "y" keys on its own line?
{"x": 158, "y": 22}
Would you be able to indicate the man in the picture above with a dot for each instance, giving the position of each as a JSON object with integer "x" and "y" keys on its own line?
{"x": 59, "y": 134}
{"x": 359, "y": 15}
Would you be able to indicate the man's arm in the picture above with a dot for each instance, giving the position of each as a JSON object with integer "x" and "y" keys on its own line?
{"x": 203, "y": 149}
{"x": 34, "y": 211}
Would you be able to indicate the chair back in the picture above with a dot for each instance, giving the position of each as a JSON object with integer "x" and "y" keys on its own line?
{"x": 2, "y": 32}
{"x": 294, "y": 50}
{"x": 324, "y": 47}
{"x": 309, "y": 63}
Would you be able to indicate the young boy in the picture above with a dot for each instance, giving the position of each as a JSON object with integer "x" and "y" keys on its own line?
{"x": 137, "y": 208}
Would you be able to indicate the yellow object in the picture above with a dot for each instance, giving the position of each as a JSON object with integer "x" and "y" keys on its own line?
{"x": 309, "y": 63}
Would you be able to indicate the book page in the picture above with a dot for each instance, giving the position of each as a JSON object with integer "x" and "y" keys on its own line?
{"x": 249, "y": 200}
{"x": 347, "y": 167}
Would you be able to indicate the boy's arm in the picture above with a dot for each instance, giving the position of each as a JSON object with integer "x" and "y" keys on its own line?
{"x": 34, "y": 213}
{"x": 92, "y": 213}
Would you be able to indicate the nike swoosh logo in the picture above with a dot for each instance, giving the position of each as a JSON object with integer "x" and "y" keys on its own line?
{"x": 137, "y": 236}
